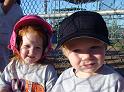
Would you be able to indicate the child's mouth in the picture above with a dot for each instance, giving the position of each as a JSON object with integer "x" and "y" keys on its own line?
{"x": 90, "y": 65}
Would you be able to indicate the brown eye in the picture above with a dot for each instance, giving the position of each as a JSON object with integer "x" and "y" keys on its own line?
{"x": 77, "y": 50}
{"x": 38, "y": 48}
{"x": 25, "y": 46}
{"x": 96, "y": 47}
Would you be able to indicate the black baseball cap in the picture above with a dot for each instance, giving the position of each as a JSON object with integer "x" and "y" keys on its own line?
{"x": 83, "y": 24}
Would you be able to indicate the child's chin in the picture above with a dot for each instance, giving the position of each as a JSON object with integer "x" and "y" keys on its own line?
{"x": 30, "y": 62}
{"x": 87, "y": 70}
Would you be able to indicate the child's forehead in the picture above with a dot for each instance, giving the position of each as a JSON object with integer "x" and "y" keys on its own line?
{"x": 32, "y": 38}
{"x": 29, "y": 30}
{"x": 32, "y": 35}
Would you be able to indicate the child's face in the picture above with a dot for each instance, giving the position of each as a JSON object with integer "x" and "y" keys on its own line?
{"x": 32, "y": 47}
{"x": 86, "y": 55}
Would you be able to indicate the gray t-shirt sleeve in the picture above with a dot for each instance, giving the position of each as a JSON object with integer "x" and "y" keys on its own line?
{"x": 51, "y": 77}
{"x": 119, "y": 83}
{"x": 5, "y": 80}
{"x": 59, "y": 87}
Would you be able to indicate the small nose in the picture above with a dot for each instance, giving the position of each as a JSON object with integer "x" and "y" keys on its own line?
{"x": 86, "y": 55}
{"x": 31, "y": 51}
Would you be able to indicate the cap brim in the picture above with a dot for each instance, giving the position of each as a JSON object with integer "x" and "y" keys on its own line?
{"x": 73, "y": 36}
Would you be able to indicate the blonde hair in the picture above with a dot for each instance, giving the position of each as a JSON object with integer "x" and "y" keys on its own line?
{"x": 65, "y": 49}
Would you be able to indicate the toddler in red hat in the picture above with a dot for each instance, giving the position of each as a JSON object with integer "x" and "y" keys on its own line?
{"x": 28, "y": 71}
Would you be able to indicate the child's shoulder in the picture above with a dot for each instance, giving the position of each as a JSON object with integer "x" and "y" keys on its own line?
{"x": 68, "y": 72}
{"x": 12, "y": 62}
{"x": 50, "y": 67}
{"x": 44, "y": 67}
{"x": 109, "y": 71}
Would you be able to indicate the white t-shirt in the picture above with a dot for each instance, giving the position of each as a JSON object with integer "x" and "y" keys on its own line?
{"x": 28, "y": 77}
{"x": 107, "y": 80}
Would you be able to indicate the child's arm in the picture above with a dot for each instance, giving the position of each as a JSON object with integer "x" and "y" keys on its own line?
{"x": 120, "y": 85}
{"x": 5, "y": 81}
{"x": 51, "y": 77}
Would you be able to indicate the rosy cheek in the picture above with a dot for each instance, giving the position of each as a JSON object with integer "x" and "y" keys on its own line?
{"x": 23, "y": 52}
{"x": 73, "y": 57}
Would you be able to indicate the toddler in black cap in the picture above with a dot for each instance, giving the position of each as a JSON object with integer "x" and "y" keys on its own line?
{"x": 84, "y": 40}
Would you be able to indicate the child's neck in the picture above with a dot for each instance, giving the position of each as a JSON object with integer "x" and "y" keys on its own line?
{"x": 80, "y": 74}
